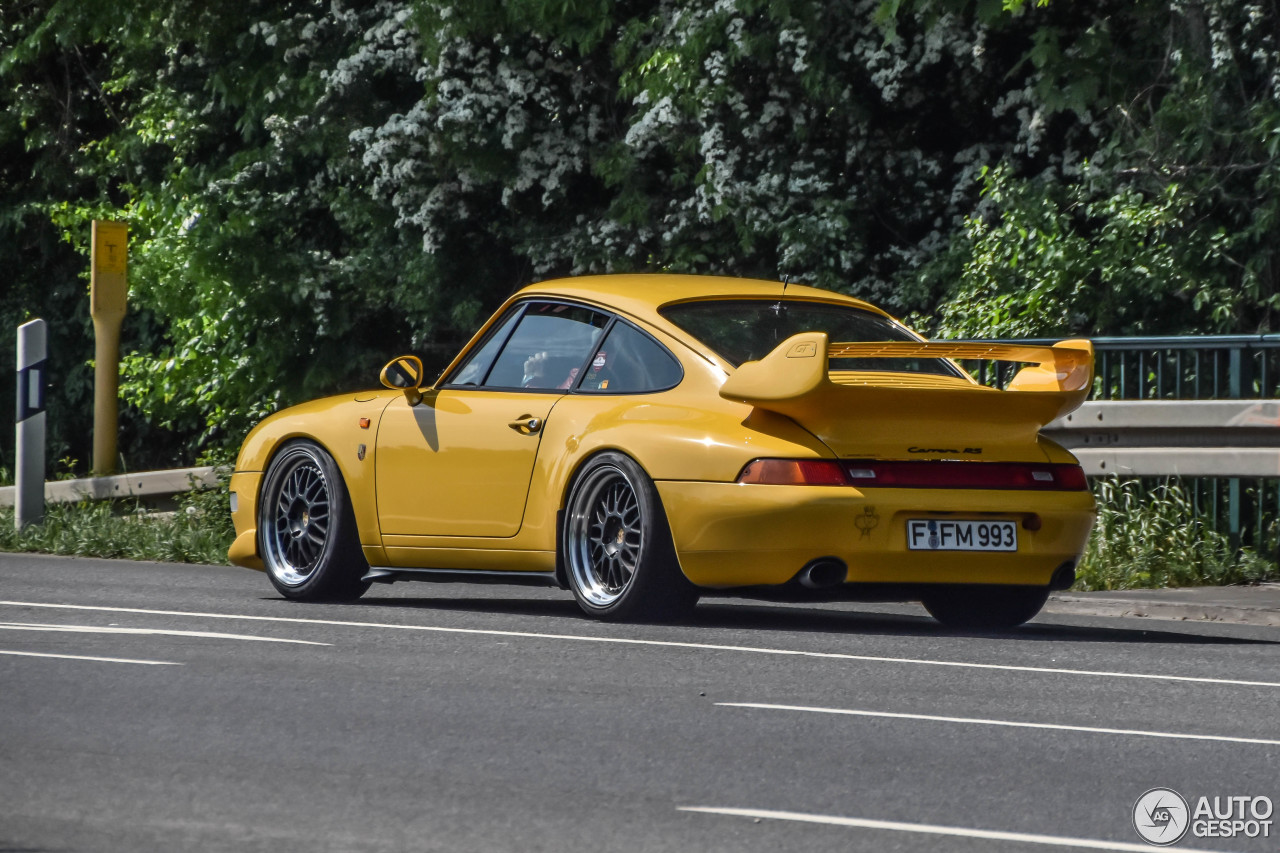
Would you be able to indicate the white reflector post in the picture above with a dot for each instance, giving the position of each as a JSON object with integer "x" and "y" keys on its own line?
{"x": 32, "y": 355}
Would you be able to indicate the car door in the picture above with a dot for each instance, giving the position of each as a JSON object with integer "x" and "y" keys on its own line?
{"x": 459, "y": 462}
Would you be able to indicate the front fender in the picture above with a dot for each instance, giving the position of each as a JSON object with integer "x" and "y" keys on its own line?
{"x": 346, "y": 427}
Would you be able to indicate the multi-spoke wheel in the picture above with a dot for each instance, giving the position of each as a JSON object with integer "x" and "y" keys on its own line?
{"x": 617, "y": 546}
{"x": 979, "y": 606}
{"x": 306, "y": 530}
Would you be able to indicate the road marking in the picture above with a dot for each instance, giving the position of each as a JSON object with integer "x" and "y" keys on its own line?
{"x": 931, "y": 829}
{"x": 86, "y": 657}
{"x": 975, "y": 721}
{"x": 658, "y": 643}
{"x": 90, "y": 629}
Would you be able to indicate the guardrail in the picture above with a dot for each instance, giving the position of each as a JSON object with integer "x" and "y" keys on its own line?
{"x": 1225, "y": 452}
{"x": 1225, "y": 457}
{"x": 1128, "y": 438}
{"x": 144, "y": 484}
{"x": 1174, "y": 438}
{"x": 1186, "y": 367}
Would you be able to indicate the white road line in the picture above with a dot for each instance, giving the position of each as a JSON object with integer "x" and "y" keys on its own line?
{"x": 659, "y": 643}
{"x": 86, "y": 657}
{"x": 91, "y": 629}
{"x": 932, "y": 829}
{"x": 976, "y": 721}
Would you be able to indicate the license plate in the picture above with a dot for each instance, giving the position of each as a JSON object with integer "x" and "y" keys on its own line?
{"x": 934, "y": 534}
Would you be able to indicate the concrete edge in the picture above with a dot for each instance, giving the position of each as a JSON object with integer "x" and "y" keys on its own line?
{"x": 1075, "y": 605}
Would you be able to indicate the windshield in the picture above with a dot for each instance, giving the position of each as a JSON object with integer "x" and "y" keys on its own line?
{"x": 741, "y": 330}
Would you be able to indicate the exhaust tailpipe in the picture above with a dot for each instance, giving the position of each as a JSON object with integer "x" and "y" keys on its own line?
{"x": 1064, "y": 577}
{"x": 823, "y": 573}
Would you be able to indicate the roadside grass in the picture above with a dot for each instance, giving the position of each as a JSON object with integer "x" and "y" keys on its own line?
{"x": 1144, "y": 538}
{"x": 1147, "y": 538}
{"x": 200, "y": 531}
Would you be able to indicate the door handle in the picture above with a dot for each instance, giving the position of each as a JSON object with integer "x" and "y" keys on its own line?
{"x": 527, "y": 424}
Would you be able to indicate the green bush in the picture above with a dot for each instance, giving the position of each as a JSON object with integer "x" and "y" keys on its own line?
{"x": 1149, "y": 538}
{"x": 199, "y": 532}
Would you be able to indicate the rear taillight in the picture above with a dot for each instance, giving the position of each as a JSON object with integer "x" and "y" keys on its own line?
{"x": 967, "y": 475}
{"x": 870, "y": 473}
{"x": 794, "y": 472}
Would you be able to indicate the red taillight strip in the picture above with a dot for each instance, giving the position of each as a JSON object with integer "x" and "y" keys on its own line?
{"x": 1056, "y": 477}
{"x": 873, "y": 473}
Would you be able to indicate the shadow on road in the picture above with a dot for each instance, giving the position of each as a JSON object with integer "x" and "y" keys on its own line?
{"x": 734, "y": 615}
{"x": 781, "y": 617}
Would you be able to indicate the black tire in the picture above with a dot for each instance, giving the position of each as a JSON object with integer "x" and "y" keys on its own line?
{"x": 985, "y": 607}
{"x": 306, "y": 529}
{"x": 616, "y": 545}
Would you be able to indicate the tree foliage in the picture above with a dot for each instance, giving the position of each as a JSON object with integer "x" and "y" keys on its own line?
{"x": 313, "y": 186}
{"x": 1167, "y": 221}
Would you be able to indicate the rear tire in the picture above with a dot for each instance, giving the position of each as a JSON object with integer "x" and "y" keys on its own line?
{"x": 306, "y": 528}
{"x": 979, "y": 606}
{"x": 616, "y": 545}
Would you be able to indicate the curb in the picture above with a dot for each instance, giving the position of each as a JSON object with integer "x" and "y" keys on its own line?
{"x": 1079, "y": 605}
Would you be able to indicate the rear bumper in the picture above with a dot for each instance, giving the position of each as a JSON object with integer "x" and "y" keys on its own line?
{"x": 730, "y": 535}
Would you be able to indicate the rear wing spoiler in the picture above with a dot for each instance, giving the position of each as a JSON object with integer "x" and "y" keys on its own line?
{"x": 1064, "y": 366}
{"x": 793, "y": 379}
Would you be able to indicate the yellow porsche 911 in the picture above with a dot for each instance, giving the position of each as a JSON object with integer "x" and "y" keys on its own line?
{"x": 644, "y": 439}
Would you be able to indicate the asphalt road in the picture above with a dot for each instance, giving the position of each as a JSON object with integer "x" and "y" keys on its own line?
{"x": 148, "y": 707}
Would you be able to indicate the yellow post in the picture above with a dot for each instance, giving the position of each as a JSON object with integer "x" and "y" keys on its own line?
{"x": 108, "y": 289}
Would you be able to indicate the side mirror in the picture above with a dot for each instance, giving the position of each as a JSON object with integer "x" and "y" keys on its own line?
{"x": 404, "y": 373}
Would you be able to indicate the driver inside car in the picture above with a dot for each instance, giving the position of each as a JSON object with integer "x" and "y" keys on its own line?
{"x": 535, "y": 369}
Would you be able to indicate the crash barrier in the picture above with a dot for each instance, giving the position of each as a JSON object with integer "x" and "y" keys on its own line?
{"x": 151, "y": 486}
{"x": 1196, "y": 408}
{"x": 1224, "y": 457}
{"x": 1225, "y": 454}
{"x": 1177, "y": 438}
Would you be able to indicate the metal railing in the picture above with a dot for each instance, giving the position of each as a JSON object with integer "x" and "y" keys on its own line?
{"x": 144, "y": 485}
{"x": 1238, "y": 491}
{"x": 1226, "y": 456}
{"x": 1204, "y": 367}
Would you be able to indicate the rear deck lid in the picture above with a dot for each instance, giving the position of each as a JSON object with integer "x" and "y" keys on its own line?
{"x": 902, "y": 414}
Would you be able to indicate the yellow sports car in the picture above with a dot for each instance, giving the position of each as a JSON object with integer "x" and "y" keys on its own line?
{"x": 644, "y": 439}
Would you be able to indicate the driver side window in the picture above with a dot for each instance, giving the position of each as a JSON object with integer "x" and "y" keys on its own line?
{"x": 548, "y": 347}
{"x": 473, "y": 370}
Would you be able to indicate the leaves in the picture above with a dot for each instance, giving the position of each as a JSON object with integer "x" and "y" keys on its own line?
{"x": 313, "y": 187}
{"x": 1151, "y": 536}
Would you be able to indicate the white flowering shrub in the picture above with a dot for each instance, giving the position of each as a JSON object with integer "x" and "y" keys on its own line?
{"x": 316, "y": 185}
{"x": 772, "y": 140}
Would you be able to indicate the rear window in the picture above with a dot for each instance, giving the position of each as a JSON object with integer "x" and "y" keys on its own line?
{"x": 741, "y": 330}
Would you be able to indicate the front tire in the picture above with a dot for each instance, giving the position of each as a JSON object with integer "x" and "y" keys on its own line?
{"x": 985, "y": 607}
{"x": 306, "y": 528}
{"x": 617, "y": 549}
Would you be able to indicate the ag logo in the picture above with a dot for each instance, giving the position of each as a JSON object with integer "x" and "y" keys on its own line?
{"x": 1161, "y": 817}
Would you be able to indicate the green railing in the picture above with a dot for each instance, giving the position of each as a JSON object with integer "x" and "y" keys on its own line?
{"x": 1207, "y": 367}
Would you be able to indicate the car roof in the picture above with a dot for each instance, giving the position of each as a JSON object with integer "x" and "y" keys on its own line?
{"x": 642, "y": 295}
